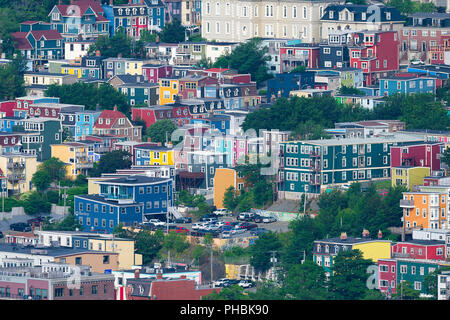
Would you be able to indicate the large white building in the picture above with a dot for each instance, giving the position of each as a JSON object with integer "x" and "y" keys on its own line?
{"x": 240, "y": 20}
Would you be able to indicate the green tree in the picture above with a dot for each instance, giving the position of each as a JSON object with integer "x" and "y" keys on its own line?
{"x": 147, "y": 36}
{"x": 149, "y": 245}
{"x": 306, "y": 281}
{"x": 69, "y": 223}
{"x": 11, "y": 78}
{"x": 248, "y": 57}
{"x": 229, "y": 199}
{"x": 54, "y": 168}
{"x": 301, "y": 68}
{"x": 405, "y": 291}
{"x": 111, "y": 161}
{"x": 161, "y": 130}
{"x": 261, "y": 251}
{"x": 350, "y": 90}
{"x": 349, "y": 278}
{"x": 41, "y": 180}
{"x": 35, "y": 203}
{"x": 446, "y": 156}
{"x": 232, "y": 293}
{"x": 173, "y": 32}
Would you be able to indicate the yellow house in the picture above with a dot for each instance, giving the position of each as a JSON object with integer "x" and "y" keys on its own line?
{"x": 76, "y": 157}
{"x": 223, "y": 179}
{"x": 168, "y": 90}
{"x": 71, "y": 70}
{"x": 374, "y": 249}
{"x": 409, "y": 176}
{"x": 134, "y": 67}
{"x": 124, "y": 247}
{"x": 154, "y": 155}
{"x": 18, "y": 171}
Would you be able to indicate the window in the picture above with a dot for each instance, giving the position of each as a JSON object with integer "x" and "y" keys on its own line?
{"x": 59, "y": 292}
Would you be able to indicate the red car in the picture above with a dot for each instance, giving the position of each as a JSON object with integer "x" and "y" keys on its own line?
{"x": 181, "y": 230}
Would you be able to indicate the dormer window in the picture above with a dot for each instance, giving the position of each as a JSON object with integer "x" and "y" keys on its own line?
{"x": 107, "y": 121}
{"x": 120, "y": 12}
{"x": 388, "y": 16}
{"x": 55, "y": 16}
{"x": 331, "y": 14}
{"x": 100, "y": 121}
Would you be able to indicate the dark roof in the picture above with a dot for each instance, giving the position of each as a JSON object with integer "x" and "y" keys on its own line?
{"x": 150, "y": 147}
{"x": 49, "y": 251}
{"x": 358, "y": 9}
{"x": 99, "y": 198}
{"x": 424, "y": 242}
{"x": 349, "y": 240}
{"x": 133, "y": 180}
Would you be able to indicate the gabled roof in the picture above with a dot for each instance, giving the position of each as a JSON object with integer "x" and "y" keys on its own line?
{"x": 21, "y": 41}
{"x": 47, "y": 34}
{"x": 113, "y": 115}
{"x": 84, "y": 6}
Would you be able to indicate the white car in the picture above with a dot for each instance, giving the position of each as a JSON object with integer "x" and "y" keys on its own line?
{"x": 245, "y": 283}
{"x": 156, "y": 222}
{"x": 222, "y": 212}
{"x": 220, "y": 282}
{"x": 198, "y": 225}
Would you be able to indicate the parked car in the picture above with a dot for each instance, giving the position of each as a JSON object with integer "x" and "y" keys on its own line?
{"x": 248, "y": 226}
{"x": 209, "y": 217}
{"x": 199, "y": 225}
{"x": 222, "y": 212}
{"x": 227, "y": 234}
{"x": 256, "y": 218}
{"x": 156, "y": 222}
{"x": 20, "y": 226}
{"x": 231, "y": 282}
{"x": 183, "y": 220}
{"x": 1, "y": 235}
{"x": 181, "y": 230}
{"x": 269, "y": 219}
{"x": 245, "y": 216}
{"x": 246, "y": 283}
{"x": 258, "y": 231}
{"x": 220, "y": 282}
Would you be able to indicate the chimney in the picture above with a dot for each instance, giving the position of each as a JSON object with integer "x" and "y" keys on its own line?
{"x": 136, "y": 274}
{"x": 365, "y": 233}
{"x": 97, "y": 53}
{"x": 183, "y": 276}
{"x": 115, "y": 108}
{"x": 380, "y": 234}
{"x": 119, "y": 55}
{"x": 97, "y": 107}
{"x": 343, "y": 236}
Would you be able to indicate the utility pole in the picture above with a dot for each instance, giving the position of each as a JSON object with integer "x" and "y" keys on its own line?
{"x": 274, "y": 264}
{"x": 211, "y": 264}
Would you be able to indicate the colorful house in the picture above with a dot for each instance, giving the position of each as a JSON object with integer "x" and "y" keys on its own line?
{"x": 408, "y": 176}
{"x": 129, "y": 200}
{"x": 148, "y": 155}
{"x": 301, "y": 54}
{"x": 75, "y": 156}
{"x": 87, "y": 67}
{"x": 418, "y": 154}
{"x": 325, "y": 250}
{"x": 153, "y": 72}
{"x": 425, "y": 209}
{"x": 284, "y": 83}
{"x": 407, "y": 85}
{"x": 168, "y": 90}
{"x": 115, "y": 123}
{"x": 223, "y": 179}
{"x": 81, "y": 19}
{"x": 18, "y": 169}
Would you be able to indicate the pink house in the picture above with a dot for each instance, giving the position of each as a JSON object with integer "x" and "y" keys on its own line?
{"x": 153, "y": 72}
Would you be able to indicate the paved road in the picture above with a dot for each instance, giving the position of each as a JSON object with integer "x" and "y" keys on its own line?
{"x": 4, "y": 224}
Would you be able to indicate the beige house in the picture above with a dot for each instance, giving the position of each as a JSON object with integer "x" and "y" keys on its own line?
{"x": 18, "y": 170}
{"x": 240, "y": 20}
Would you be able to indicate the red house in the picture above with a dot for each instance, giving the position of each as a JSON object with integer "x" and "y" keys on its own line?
{"x": 302, "y": 54}
{"x": 419, "y": 249}
{"x": 153, "y": 72}
{"x": 387, "y": 275}
{"x": 417, "y": 155}
{"x": 8, "y": 108}
{"x": 189, "y": 85}
{"x": 166, "y": 289}
{"x": 376, "y": 53}
{"x": 179, "y": 114}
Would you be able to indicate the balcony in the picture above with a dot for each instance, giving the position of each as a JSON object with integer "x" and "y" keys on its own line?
{"x": 183, "y": 50}
{"x": 15, "y": 165}
{"x": 406, "y": 203}
{"x": 15, "y": 177}
{"x": 291, "y": 57}
{"x": 85, "y": 165}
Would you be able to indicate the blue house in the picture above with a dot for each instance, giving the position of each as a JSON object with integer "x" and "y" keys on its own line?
{"x": 129, "y": 200}
{"x": 84, "y": 123}
{"x": 284, "y": 83}
{"x": 407, "y": 85}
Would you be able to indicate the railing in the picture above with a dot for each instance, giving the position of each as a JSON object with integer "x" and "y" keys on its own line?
{"x": 293, "y": 57}
{"x": 16, "y": 177}
{"x": 119, "y": 196}
{"x": 15, "y": 165}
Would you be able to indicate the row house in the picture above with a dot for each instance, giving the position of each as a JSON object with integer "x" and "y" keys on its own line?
{"x": 45, "y": 79}
{"x": 46, "y": 110}
{"x": 407, "y": 84}
{"x": 425, "y": 209}
{"x": 393, "y": 271}
{"x": 191, "y": 12}
{"x": 82, "y": 19}
{"x": 419, "y": 250}
{"x": 425, "y": 37}
{"x": 18, "y": 168}
{"x": 76, "y": 157}
{"x": 239, "y": 20}
{"x": 272, "y": 47}
{"x": 114, "y": 123}
{"x": 153, "y": 72}
{"x": 10, "y": 142}
{"x": 140, "y": 93}
{"x": 334, "y": 51}
{"x": 370, "y": 128}
{"x": 438, "y": 70}
{"x": 326, "y": 250}
{"x": 366, "y": 102}
{"x": 310, "y": 167}
{"x": 129, "y": 200}
{"x": 178, "y": 113}
{"x": 87, "y": 67}
{"x": 122, "y": 66}
{"x": 131, "y": 147}
{"x": 134, "y": 17}
{"x": 151, "y": 155}
{"x": 190, "y": 85}
{"x": 409, "y": 176}
{"x": 301, "y": 54}
{"x": 284, "y": 83}
{"x": 84, "y": 123}
{"x": 125, "y": 248}
{"x": 376, "y": 53}
{"x": 77, "y": 49}
{"x": 38, "y": 41}
{"x": 189, "y": 53}
{"x": 53, "y": 281}
{"x": 356, "y": 17}
{"x": 417, "y": 155}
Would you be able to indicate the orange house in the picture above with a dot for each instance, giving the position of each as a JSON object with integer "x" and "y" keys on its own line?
{"x": 425, "y": 209}
{"x": 223, "y": 179}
